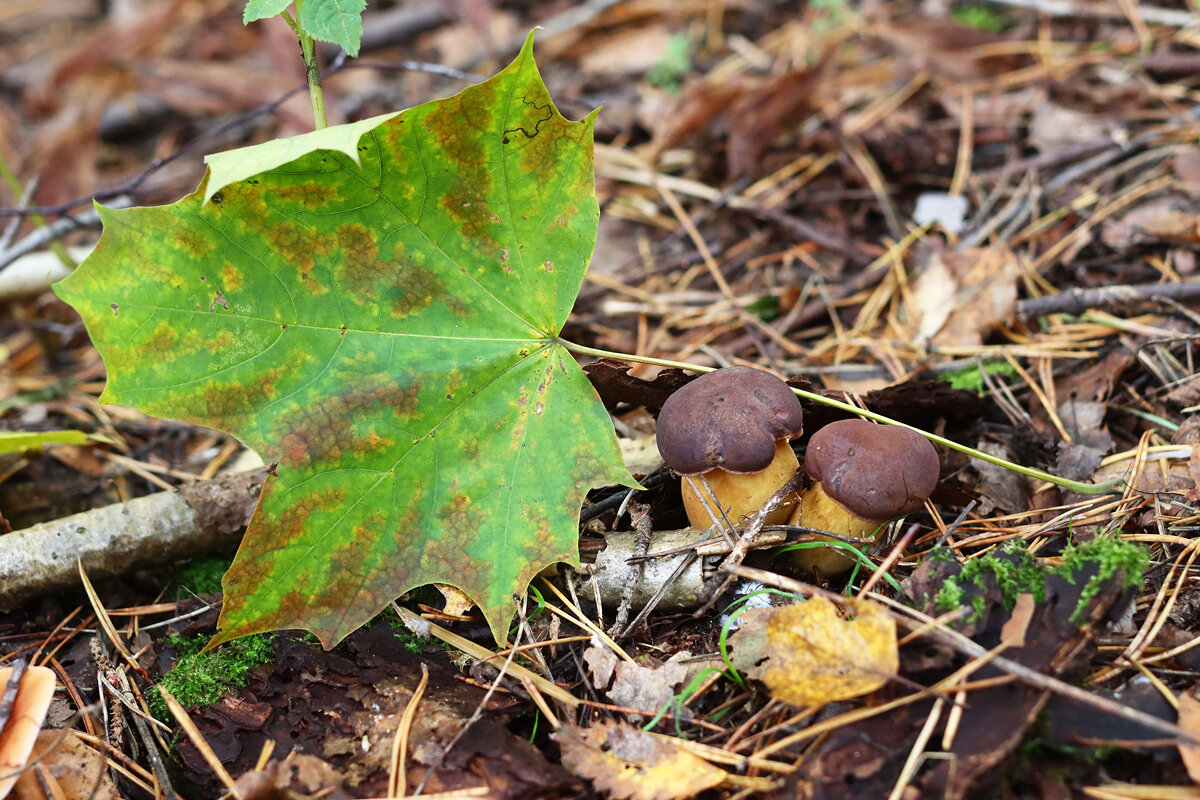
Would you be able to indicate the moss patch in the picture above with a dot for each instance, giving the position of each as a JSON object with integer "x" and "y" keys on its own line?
{"x": 1012, "y": 569}
{"x": 1109, "y": 556}
{"x": 199, "y": 679}
{"x": 981, "y": 17}
{"x": 970, "y": 377}
{"x": 202, "y": 575}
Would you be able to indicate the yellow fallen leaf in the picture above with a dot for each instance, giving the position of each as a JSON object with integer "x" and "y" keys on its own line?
{"x": 813, "y": 655}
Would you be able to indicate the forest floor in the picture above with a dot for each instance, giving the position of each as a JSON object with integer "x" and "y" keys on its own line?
{"x": 979, "y": 219}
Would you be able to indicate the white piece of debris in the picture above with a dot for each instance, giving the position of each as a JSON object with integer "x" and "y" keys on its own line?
{"x": 949, "y": 211}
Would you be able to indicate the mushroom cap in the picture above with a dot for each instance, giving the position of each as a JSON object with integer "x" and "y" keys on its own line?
{"x": 730, "y": 418}
{"x": 875, "y": 471}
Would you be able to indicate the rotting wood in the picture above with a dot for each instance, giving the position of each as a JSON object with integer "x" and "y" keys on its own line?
{"x": 115, "y": 539}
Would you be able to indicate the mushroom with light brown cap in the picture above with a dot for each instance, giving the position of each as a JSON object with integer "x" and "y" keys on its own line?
{"x": 864, "y": 475}
{"x": 730, "y": 430}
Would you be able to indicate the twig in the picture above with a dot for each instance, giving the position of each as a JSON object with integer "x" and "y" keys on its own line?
{"x": 114, "y": 539}
{"x": 1067, "y": 8}
{"x": 970, "y": 648}
{"x": 14, "y": 225}
{"x": 1077, "y": 301}
{"x": 640, "y": 514}
{"x": 131, "y": 186}
{"x": 721, "y": 580}
{"x": 56, "y": 230}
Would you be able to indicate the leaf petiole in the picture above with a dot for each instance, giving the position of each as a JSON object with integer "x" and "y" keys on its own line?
{"x": 1036, "y": 474}
{"x": 312, "y": 70}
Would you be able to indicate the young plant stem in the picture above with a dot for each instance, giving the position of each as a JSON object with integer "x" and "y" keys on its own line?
{"x": 1029, "y": 472}
{"x": 312, "y": 70}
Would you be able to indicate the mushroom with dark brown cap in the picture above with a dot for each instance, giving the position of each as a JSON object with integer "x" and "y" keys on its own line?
{"x": 865, "y": 474}
{"x": 731, "y": 427}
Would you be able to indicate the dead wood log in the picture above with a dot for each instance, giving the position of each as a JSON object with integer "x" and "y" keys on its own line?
{"x": 113, "y": 540}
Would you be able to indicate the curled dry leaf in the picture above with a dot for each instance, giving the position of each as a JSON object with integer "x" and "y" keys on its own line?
{"x": 628, "y": 763}
{"x": 21, "y": 719}
{"x": 809, "y": 654}
{"x": 67, "y": 767}
{"x": 961, "y": 297}
{"x": 756, "y": 111}
{"x": 647, "y": 688}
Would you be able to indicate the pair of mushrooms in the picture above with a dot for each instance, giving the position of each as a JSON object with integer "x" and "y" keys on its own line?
{"x": 728, "y": 434}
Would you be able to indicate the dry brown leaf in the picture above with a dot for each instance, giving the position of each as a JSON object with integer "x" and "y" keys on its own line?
{"x": 1189, "y": 720}
{"x": 457, "y": 601}
{"x": 77, "y": 770}
{"x": 691, "y": 113}
{"x": 1055, "y": 128}
{"x": 601, "y": 661}
{"x": 944, "y": 48}
{"x": 1171, "y": 218}
{"x": 648, "y": 688}
{"x": 962, "y": 296}
{"x": 809, "y": 654}
{"x": 628, "y": 51}
{"x": 758, "y": 116}
{"x": 297, "y": 777}
{"x": 630, "y": 764}
{"x": 755, "y": 111}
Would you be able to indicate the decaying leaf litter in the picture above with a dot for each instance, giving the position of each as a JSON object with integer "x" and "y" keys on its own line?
{"x": 759, "y": 170}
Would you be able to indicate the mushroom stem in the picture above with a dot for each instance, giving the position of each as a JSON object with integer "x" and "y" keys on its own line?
{"x": 817, "y": 509}
{"x": 1037, "y": 474}
{"x": 740, "y": 495}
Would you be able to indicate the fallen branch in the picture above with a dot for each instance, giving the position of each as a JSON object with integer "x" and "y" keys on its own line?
{"x": 1077, "y": 301}
{"x": 113, "y": 540}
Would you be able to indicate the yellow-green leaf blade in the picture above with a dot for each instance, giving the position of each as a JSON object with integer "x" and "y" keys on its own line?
{"x": 382, "y": 322}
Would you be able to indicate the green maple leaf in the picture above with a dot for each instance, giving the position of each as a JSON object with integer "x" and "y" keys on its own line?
{"x": 376, "y": 307}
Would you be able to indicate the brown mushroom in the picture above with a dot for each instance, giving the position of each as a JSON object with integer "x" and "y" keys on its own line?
{"x": 731, "y": 427}
{"x": 865, "y": 474}
{"x": 26, "y": 710}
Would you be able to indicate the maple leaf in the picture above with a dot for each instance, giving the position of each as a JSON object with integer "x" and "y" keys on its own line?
{"x": 376, "y": 307}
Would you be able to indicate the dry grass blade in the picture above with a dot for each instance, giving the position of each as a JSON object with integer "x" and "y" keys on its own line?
{"x": 397, "y": 780}
{"x": 105, "y": 622}
{"x": 484, "y": 655}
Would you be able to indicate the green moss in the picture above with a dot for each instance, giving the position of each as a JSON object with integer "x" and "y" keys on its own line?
{"x": 970, "y": 377}
{"x": 1015, "y": 572}
{"x": 1110, "y": 556}
{"x": 765, "y": 307}
{"x": 200, "y": 679}
{"x": 675, "y": 63}
{"x": 949, "y": 597}
{"x": 981, "y": 17}
{"x": 1011, "y": 567}
{"x": 410, "y": 640}
{"x": 203, "y": 575}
